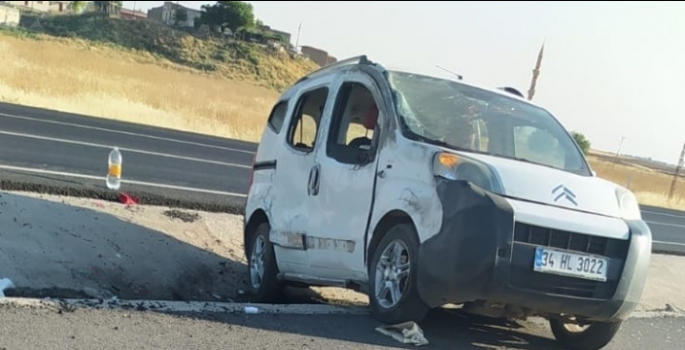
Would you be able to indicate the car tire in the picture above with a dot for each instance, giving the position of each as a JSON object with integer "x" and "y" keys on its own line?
{"x": 264, "y": 287}
{"x": 409, "y": 307}
{"x": 596, "y": 336}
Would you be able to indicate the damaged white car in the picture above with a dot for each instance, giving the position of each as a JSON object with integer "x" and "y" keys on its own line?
{"x": 423, "y": 192}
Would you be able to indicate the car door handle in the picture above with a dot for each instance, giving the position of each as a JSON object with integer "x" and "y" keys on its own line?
{"x": 314, "y": 179}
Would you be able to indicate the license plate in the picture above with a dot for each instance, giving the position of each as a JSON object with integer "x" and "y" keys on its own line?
{"x": 570, "y": 264}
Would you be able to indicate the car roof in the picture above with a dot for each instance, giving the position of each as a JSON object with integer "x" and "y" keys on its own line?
{"x": 360, "y": 60}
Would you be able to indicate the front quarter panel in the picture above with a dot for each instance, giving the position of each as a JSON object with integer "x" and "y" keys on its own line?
{"x": 406, "y": 184}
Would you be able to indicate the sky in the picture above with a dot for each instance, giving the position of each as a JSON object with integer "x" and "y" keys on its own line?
{"x": 610, "y": 70}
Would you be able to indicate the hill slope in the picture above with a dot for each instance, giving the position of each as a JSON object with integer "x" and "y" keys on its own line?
{"x": 144, "y": 72}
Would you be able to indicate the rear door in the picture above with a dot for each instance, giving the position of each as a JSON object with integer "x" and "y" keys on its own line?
{"x": 289, "y": 211}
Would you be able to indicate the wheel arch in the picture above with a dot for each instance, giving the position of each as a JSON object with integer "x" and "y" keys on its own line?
{"x": 390, "y": 219}
{"x": 257, "y": 217}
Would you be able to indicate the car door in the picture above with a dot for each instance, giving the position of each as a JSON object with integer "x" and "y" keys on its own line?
{"x": 342, "y": 181}
{"x": 298, "y": 145}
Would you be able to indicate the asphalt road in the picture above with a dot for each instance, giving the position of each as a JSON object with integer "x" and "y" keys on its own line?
{"x": 58, "y": 149}
{"x": 116, "y": 329}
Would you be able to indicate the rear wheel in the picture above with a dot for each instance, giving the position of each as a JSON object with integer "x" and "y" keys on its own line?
{"x": 590, "y": 336}
{"x": 263, "y": 281}
{"x": 393, "y": 292}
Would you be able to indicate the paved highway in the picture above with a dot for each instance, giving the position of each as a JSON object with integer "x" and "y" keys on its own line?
{"x": 59, "y": 149}
{"x": 116, "y": 329}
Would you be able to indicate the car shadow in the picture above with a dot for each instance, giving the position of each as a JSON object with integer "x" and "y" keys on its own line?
{"x": 52, "y": 249}
{"x": 49, "y": 248}
{"x": 443, "y": 329}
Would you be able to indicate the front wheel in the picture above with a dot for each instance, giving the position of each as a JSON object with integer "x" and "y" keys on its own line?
{"x": 393, "y": 292}
{"x": 264, "y": 285}
{"x": 592, "y": 336}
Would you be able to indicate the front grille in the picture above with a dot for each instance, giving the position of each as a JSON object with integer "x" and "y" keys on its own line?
{"x": 578, "y": 242}
{"x": 526, "y": 237}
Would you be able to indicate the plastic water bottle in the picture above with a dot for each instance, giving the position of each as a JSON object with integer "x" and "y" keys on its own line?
{"x": 114, "y": 169}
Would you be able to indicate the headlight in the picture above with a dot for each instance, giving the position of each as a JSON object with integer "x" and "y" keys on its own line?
{"x": 453, "y": 167}
{"x": 445, "y": 165}
{"x": 627, "y": 203}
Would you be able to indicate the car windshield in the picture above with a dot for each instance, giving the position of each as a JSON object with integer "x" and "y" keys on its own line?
{"x": 466, "y": 118}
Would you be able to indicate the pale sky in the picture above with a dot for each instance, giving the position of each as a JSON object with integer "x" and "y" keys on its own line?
{"x": 609, "y": 69}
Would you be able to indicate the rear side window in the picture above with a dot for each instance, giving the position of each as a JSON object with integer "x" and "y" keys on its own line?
{"x": 277, "y": 116}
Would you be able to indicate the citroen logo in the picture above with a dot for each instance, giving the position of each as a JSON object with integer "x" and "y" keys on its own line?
{"x": 561, "y": 191}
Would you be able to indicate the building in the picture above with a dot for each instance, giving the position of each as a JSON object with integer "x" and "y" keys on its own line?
{"x": 167, "y": 14}
{"x": 132, "y": 14}
{"x": 285, "y": 35}
{"x": 320, "y": 57}
{"x": 59, "y": 6}
{"x": 9, "y": 16}
{"x": 40, "y": 6}
{"x": 111, "y": 8}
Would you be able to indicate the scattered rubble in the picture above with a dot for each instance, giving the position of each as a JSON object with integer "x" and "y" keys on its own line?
{"x": 181, "y": 215}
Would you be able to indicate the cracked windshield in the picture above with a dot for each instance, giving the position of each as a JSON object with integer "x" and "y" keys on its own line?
{"x": 342, "y": 175}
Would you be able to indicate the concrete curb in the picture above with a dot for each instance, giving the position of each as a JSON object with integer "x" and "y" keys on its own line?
{"x": 182, "y": 306}
{"x": 145, "y": 198}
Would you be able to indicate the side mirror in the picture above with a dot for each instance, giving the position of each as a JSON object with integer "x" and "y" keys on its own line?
{"x": 594, "y": 173}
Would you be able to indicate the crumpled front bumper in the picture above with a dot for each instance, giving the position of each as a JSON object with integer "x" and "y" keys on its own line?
{"x": 483, "y": 253}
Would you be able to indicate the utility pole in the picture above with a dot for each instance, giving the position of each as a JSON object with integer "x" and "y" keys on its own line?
{"x": 618, "y": 152}
{"x": 677, "y": 171}
{"x": 536, "y": 73}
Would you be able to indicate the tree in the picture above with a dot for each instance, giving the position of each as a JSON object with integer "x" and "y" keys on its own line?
{"x": 181, "y": 15}
{"x": 77, "y": 6}
{"x": 582, "y": 141}
{"x": 232, "y": 14}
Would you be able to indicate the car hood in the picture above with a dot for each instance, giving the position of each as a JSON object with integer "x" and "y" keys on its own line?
{"x": 551, "y": 186}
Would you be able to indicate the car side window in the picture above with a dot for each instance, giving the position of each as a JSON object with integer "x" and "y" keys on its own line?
{"x": 304, "y": 124}
{"x": 277, "y": 116}
{"x": 353, "y": 123}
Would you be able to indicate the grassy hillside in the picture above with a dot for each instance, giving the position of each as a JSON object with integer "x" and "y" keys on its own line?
{"x": 148, "y": 73}
{"x": 229, "y": 58}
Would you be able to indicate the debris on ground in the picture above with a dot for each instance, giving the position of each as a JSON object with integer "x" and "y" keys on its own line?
{"x": 181, "y": 215}
{"x": 405, "y": 333}
{"x": 127, "y": 199}
{"x": 251, "y": 310}
{"x": 673, "y": 308}
{"x": 5, "y": 284}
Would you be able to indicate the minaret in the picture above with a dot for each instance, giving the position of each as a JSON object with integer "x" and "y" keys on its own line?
{"x": 536, "y": 73}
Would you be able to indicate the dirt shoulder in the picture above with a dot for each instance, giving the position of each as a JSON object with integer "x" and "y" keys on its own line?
{"x": 78, "y": 247}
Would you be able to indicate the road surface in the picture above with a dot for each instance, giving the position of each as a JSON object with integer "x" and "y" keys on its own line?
{"x": 119, "y": 330}
{"x": 59, "y": 149}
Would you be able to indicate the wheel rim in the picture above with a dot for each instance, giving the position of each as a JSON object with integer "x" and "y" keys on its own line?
{"x": 392, "y": 274}
{"x": 257, "y": 262}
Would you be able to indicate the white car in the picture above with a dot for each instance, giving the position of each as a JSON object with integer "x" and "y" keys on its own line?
{"x": 423, "y": 192}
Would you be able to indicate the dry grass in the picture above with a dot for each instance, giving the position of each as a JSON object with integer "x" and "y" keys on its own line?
{"x": 79, "y": 77}
{"x": 651, "y": 187}
{"x": 72, "y": 76}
